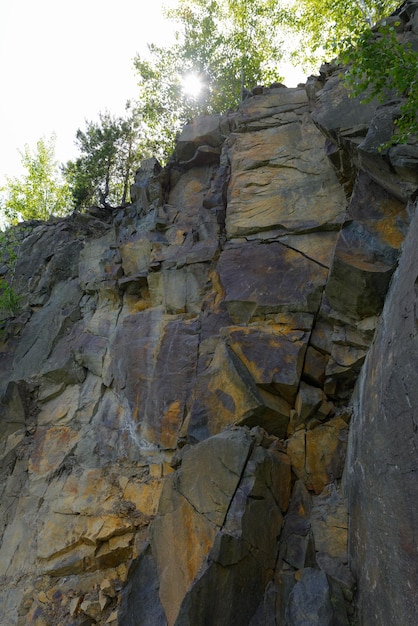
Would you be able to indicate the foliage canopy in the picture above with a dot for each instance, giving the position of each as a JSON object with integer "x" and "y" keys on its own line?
{"x": 387, "y": 68}
{"x": 41, "y": 191}
{"x": 109, "y": 150}
{"x": 331, "y": 26}
{"x": 232, "y": 45}
{"x": 229, "y": 45}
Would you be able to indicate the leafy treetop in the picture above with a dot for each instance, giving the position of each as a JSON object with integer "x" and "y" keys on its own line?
{"x": 386, "y": 68}
{"x": 41, "y": 191}
{"x": 232, "y": 45}
{"x": 109, "y": 151}
{"x": 229, "y": 45}
{"x": 330, "y": 26}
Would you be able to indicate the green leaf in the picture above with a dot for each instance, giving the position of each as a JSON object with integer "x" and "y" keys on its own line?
{"x": 41, "y": 191}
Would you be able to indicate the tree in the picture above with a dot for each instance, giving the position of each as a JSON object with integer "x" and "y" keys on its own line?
{"x": 41, "y": 192}
{"x": 375, "y": 59}
{"x": 230, "y": 45}
{"x": 109, "y": 152}
{"x": 331, "y": 26}
{"x": 161, "y": 105}
{"x": 385, "y": 67}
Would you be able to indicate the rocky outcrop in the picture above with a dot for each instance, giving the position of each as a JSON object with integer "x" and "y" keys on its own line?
{"x": 185, "y": 375}
{"x": 382, "y": 460}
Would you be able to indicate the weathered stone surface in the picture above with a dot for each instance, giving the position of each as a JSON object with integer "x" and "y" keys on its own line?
{"x": 179, "y": 290}
{"x": 207, "y": 486}
{"x": 308, "y": 401}
{"x": 195, "y": 502}
{"x": 276, "y": 183}
{"x": 147, "y": 189}
{"x": 149, "y": 348}
{"x": 277, "y": 106}
{"x": 51, "y": 447}
{"x": 281, "y": 373}
{"x": 336, "y": 113}
{"x": 54, "y": 256}
{"x": 99, "y": 267}
{"x": 136, "y": 255}
{"x": 397, "y": 172}
{"x": 201, "y": 137}
{"x": 240, "y": 291}
{"x": 227, "y": 394}
{"x": 272, "y": 609}
{"x": 339, "y": 572}
{"x": 269, "y": 278}
{"x": 381, "y": 466}
{"x": 15, "y": 407}
{"x": 366, "y": 252}
{"x": 315, "y": 366}
{"x": 140, "y": 604}
{"x": 296, "y": 542}
{"x": 318, "y": 246}
{"x": 329, "y": 522}
{"x": 40, "y": 339}
{"x": 318, "y": 455}
{"x": 313, "y": 602}
{"x": 240, "y": 487}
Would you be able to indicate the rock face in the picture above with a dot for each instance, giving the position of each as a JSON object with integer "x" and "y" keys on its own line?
{"x": 185, "y": 376}
{"x": 382, "y": 460}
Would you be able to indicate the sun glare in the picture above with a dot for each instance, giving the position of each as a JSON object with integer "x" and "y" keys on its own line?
{"x": 191, "y": 85}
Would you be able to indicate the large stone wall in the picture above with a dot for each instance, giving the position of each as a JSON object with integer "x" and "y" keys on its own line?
{"x": 382, "y": 461}
{"x": 177, "y": 391}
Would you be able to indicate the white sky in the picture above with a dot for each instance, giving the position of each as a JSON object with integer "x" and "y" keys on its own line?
{"x": 63, "y": 62}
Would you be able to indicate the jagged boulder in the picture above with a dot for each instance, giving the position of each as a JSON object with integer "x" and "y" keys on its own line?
{"x": 231, "y": 491}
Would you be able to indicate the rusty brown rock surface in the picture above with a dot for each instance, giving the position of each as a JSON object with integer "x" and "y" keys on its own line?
{"x": 175, "y": 397}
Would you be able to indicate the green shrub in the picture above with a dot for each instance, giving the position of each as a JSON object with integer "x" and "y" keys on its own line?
{"x": 385, "y": 67}
{"x": 9, "y": 245}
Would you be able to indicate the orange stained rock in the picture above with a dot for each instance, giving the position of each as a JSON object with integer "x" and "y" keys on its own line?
{"x": 184, "y": 540}
{"x": 145, "y": 496}
{"x": 317, "y": 455}
{"x": 60, "y": 409}
{"x": 51, "y": 448}
{"x": 80, "y": 491}
{"x": 171, "y": 423}
{"x": 217, "y": 295}
{"x": 60, "y": 536}
{"x": 389, "y": 231}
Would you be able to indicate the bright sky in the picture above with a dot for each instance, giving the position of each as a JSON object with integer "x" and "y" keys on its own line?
{"x": 63, "y": 62}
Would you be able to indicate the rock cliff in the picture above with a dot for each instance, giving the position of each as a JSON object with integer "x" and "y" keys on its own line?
{"x": 208, "y": 401}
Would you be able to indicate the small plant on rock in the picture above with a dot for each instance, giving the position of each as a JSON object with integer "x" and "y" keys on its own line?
{"x": 9, "y": 300}
{"x": 386, "y": 68}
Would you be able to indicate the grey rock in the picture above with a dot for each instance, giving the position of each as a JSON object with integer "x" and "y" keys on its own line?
{"x": 140, "y": 604}
{"x": 381, "y": 465}
{"x": 313, "y": 603}
{"x": 296, "y": 541}
{"x": 147, "y": 188}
